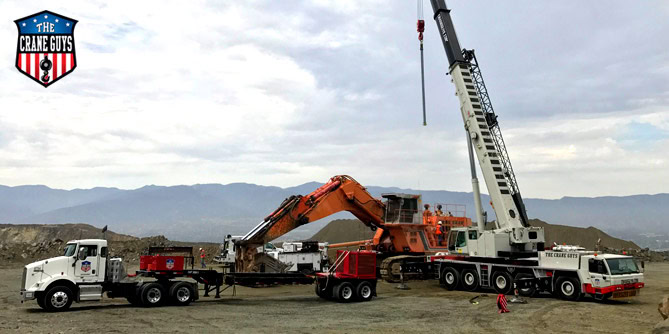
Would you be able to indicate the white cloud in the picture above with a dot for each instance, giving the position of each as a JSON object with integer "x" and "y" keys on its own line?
{"x": 285, "y": 93}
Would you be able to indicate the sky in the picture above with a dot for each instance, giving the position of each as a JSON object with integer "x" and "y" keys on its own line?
{"x": 286, "y": 92}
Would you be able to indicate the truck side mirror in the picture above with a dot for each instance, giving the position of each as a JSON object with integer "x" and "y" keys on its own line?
{"x": 82, "y": 253}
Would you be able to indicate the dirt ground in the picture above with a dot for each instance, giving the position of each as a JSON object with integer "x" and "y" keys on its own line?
{"x": 296, "y": 309}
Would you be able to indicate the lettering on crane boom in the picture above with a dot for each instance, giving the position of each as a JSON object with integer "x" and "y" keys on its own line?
{"x": 562, "y": 255}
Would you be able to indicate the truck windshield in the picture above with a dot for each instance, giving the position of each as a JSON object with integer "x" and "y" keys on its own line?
{"x": 70, "y": 249}
{"x": 622, "y": 266}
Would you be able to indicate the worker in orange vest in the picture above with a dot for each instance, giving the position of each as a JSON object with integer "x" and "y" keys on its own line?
{"x": 202, "y": 258}
{"x": 439, "y": 232}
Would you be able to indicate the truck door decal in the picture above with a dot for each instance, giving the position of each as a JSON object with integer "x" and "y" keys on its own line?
{"x": 85, "y": 266}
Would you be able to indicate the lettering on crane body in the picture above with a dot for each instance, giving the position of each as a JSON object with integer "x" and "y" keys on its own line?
{"x": 562, "y": 255}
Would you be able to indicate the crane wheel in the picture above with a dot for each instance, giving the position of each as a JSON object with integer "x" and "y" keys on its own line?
{"x": 502, "y": 282}
{"x": 529, "y": 291}
{"x": 470, "y": 279}
{"x": 344, "y": 292}
{"x": 568, "y": 288}
{"x": 450, "y": 278}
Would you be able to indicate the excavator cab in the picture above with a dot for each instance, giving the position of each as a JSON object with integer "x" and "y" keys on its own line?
{"x": 402, "y": 208}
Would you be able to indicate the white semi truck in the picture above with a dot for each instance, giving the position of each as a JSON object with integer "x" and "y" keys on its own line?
{"x": 511, "y": 253}
{"x": 85, "y": 272}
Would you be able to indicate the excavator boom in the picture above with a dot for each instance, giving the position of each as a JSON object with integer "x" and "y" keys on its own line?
{"x": 340, "y": 193}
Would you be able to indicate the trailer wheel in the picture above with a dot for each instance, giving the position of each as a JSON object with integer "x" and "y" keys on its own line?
{"x": 344, "y": 292}
{"x": 502, "y": 282}
{"x": 181, "y": 293}
{"x": 450, "y": 278}
{"x": 568, "y": 288}
{"x": 323, "y": 293}
{"x": 365, "y": 291}
{"x": 152, "y": 294}
{"x": 529, "y": 291}
{"x": 58, "y": 298}
{"x": 470, "y": 279}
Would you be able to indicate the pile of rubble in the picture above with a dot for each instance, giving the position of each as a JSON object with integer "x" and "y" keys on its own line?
{"x": 129, "y": 250}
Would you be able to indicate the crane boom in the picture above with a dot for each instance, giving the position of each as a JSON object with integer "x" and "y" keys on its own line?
{"x": 481, "y": 124}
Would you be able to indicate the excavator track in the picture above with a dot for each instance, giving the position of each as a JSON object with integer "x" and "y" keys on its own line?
{"x": 390, "y": 267}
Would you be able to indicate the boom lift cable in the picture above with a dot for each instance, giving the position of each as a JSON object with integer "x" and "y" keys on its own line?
{"x": 420, "y": 25}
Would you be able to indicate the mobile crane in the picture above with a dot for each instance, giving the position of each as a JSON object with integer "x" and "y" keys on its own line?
{"x": 511, "y": 254}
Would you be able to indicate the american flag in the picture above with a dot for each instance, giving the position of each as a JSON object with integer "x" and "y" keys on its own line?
{"x": 29, "y": 63}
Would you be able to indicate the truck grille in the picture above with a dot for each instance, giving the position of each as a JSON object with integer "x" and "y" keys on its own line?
{"x": 23, "y": 279}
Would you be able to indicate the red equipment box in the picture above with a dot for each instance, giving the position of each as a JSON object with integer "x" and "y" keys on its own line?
{"x": 161, "y": 263}
{"x": 357, "y": 264}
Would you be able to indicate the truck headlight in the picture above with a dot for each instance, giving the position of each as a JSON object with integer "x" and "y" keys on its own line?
{"x": 29, "y": 294}
{"x": 37, "y": 269}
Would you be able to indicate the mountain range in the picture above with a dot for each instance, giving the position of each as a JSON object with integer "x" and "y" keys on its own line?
{"x": 208, "y": 212}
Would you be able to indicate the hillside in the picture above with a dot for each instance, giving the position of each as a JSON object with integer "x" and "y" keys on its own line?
{"x": 210, "y": 211}
{"x": 352, "y": 230}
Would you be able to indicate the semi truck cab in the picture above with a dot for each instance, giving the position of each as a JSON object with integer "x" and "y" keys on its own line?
{"x": 81, "y": 269}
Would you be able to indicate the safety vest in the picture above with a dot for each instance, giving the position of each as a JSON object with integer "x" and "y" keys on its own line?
{"x": 438, "y": 230}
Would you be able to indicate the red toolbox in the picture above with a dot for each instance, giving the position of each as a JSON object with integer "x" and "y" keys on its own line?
{"x": 161, "y": 262}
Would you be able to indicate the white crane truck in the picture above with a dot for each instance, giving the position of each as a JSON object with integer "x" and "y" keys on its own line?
{"x": 512, "y": 253}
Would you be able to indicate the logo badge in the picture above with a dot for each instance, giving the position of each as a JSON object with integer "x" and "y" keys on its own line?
{"x": 86, "y": 266}
{"x": 169, "y": 264}
{"x": 45, "y": 49}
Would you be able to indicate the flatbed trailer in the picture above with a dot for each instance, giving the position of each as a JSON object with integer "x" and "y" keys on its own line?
{"x": 164, "y": 278}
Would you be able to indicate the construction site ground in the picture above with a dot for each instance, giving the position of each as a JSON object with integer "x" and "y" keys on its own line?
{"x": 296, "y": 309}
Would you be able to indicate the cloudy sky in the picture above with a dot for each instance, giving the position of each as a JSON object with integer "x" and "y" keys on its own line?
{"x": 286, "y": 92}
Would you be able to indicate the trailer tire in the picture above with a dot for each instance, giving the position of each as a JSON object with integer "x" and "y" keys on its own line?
{"x": 344, "y": 292}
{"x": 364, "y": 291}
{"x": 181, "y": 293}
{"x": 58, "y": 298}
{"x": 152, "y": 294}
{"x": 470, "y": 279}
{"x": 526, "y": 292}
{"x": 450, "y": 278}
{"x": 568, "y": 288}
{"x": 502, "y": 282}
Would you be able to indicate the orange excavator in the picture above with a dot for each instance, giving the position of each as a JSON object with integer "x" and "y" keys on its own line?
{"x": 403, "y": 231}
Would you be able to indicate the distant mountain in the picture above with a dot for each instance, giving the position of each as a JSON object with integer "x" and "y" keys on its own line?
{"x": 208, "y": 212}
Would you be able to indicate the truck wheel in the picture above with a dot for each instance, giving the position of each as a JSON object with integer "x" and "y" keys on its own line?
{"x": 365, "y": 291}
{"x": 181, "y": 293}
{"x": 152, "y": 294}
{"x": 470, "y": 279}
{"x": 529, "y": 291}
{"x": 58, "y": 298}
{"x": 450, "y": 278}
{"x": 344, "y": 292}
{"x": 502, "y": 282}
{"x": 568, "y": 288}
{"x": 39, "y": 297}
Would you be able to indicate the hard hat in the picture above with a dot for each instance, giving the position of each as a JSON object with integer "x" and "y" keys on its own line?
{"x": 440, "y": 222}
{"x": 200, "y": 248}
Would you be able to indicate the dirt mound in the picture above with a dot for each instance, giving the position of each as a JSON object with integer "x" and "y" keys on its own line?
{"x": 584, "y": 237}
{"x": 28, "y": 234}
{"x": 343, "y": 230}
{"x": 28, "y": 243}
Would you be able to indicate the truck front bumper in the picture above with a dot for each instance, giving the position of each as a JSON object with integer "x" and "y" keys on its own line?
{"x": 27, "y": 295}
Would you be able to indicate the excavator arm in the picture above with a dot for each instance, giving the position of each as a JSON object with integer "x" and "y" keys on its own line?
{"x": 340, "y": 193}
